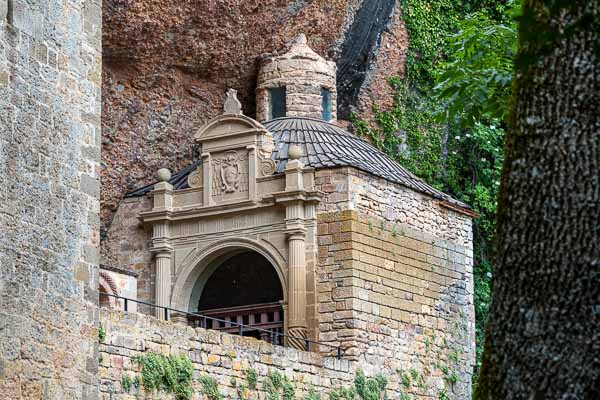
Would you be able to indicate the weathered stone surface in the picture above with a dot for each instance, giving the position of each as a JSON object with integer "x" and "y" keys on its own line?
{"x": 393, "y": 279}
{"x": 395, "y": 283}
{"x": 223, "y": 357}
{"x": 50, "y": 62}
{"x": 166, "y": 65}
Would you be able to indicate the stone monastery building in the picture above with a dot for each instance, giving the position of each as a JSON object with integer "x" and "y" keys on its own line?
{"x": 332, "y": 256}
{"x": 290, "y": 223}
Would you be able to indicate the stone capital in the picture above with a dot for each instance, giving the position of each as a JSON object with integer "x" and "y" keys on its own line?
{"x": 162, "y": 250}
{"x": 296, "y": 234}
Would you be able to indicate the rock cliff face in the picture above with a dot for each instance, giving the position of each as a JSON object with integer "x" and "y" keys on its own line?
{"x": 167, "y": 65}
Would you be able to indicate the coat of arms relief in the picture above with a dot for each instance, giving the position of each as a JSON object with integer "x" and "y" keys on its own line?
{"x": 230, "y": 173}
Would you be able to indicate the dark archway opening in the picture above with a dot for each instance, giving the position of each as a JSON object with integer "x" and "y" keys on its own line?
{"x": 244, "y": 289}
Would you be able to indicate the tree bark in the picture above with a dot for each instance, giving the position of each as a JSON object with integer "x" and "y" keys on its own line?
{"x": 543, "y": 337}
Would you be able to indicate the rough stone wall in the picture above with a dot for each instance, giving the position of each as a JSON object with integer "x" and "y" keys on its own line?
{"x": 221, "y": 356}
{"x": 50, "y": 67}
{"x": 347, "y": 188}
{"x": 395, "y": 280}
{"x": 126, "y": 246}
{"x": 168, "y": 64}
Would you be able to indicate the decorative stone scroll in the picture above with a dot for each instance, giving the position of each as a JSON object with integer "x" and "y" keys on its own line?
{"x": 267, "y": 166}
{"x": 196, "y": 178}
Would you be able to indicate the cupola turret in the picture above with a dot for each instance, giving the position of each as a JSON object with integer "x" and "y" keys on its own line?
{"x": 299, "y": 83}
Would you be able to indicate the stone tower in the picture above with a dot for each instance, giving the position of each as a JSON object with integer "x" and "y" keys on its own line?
{"x": 50, "y": 77}
{"x": 299, "y": 83}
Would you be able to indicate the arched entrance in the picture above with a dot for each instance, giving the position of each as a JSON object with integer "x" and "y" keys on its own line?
{"x": 240, "y": 286}
{"x": 106, "y": 287}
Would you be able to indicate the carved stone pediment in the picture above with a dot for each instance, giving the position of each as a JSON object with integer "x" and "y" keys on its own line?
{"x": 236, "y": 150}
{"x": 229, "y": 125}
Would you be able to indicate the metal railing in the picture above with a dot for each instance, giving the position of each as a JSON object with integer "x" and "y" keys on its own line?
{"x": 241, "y": 327}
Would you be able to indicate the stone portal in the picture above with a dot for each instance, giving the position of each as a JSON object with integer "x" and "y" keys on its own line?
{"x": 239, "y": 244}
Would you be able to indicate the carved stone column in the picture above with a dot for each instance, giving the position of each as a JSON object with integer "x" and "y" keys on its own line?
{"x": 294, "y": 219}
{"x": 163, "y": 281}
{"x": 161, "y": 247}
{"x": 297, "y": 290}
{"x": 299, "y": 198}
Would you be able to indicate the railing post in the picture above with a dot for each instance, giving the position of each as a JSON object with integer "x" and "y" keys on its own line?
{"x": 339, "y": 352}
{"x": 307, "y": 345}
{"x": 125, "y": 304}
{"x": 166, "y": 314}
{"x": 241, "y": 330}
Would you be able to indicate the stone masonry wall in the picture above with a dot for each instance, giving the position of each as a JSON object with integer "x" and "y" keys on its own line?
{"x": 395, "y": 281}
{"x": 126, "y": 246}
{"x": 222, "y": 356}
{"x": 50, "y": 75}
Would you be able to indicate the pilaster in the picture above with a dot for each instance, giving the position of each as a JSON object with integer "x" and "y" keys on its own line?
{"x": 163, "y": 281}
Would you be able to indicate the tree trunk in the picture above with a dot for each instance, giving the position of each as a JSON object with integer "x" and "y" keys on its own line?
{"x": 543, "y": 337}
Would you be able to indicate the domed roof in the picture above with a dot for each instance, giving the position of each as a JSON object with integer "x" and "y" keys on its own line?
{"x": 325, "y": 145}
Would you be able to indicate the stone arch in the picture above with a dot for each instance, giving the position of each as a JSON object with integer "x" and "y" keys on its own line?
{"x": 107, "y": 285}
{"x": 202, "y": 262}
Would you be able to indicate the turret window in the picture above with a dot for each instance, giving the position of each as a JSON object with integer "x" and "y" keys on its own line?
{"x": 326, "y": 104}
{"x": 277, "y": 102}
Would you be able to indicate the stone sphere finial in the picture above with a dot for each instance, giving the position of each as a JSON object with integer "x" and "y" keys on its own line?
{"x": 294, "y": 152}
{"x": 163, "y": 175}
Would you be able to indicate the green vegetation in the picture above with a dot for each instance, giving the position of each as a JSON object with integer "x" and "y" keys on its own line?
{"x": 443, "y": 395}
{"x": 312, "y": 395}
{"x": 126, "y": 383}
{"x": 101, "y": 333}
{"x": 447, "y": 121}
{"x": 369, "y": 388}
{"x": 171, "y": 374}
{"x": 278, "y": 386}
{"x": 364, "y": 388}
{"x": 252, "y": 378}
{"x": 210, "y": 388}
{"x": 343, "y": 394}
{"x": 405, "y": 378}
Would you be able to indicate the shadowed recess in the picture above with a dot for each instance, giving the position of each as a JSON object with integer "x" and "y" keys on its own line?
{"x": 359, "y": 50}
